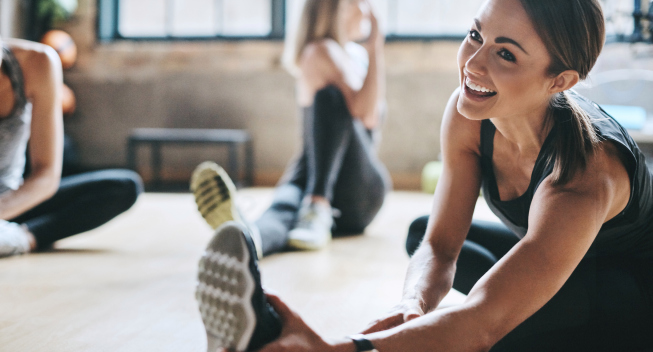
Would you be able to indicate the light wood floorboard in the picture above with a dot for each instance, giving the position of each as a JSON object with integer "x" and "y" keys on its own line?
{"x": 128, "y": 286}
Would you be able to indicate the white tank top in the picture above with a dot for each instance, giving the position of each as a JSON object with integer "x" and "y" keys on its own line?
{"x": 14, "y": 128}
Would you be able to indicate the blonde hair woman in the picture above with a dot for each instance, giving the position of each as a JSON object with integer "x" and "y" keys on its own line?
{"x": 340, "y": 89}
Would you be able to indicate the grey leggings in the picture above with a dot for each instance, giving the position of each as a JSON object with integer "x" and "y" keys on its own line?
{"x": 606, "y": 304}
{"x": 338, "y": 161}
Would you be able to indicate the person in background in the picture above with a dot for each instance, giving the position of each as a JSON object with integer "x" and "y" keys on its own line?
{"x": 39, "y": 208}
{"x": 340, "y": 93}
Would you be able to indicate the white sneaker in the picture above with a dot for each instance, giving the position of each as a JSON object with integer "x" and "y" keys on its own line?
{"x": 215, "y": 195}
{"x": 313, "y": 229}
{"x": 13, "y": 239}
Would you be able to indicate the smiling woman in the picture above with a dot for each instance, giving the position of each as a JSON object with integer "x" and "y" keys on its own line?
{"x": 571, "y": 267}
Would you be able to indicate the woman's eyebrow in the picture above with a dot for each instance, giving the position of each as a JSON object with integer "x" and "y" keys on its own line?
{"x": 501, "y": 40}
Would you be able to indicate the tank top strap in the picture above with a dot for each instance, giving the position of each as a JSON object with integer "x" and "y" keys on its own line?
{"x": 487, "y": 138}
{"x": 12, "y": 69}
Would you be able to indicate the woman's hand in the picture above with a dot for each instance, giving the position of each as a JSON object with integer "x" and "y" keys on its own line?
{"x": 406, "y": 310}
{"x": 296, "y": 335}
{"x": 377, "y": 37}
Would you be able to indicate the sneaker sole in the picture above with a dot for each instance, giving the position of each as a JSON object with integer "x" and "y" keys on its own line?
{"x": 225, "y": 289}
{"x": 214, "y": 194}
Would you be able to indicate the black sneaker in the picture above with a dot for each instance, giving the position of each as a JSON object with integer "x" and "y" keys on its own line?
{"x": 234, "y": 309}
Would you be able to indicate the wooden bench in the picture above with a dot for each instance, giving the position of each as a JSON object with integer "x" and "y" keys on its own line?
{"x": 157, "y": 137}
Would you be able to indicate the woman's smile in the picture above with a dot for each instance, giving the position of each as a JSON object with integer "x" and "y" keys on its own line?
{"x": 477, "y": 92}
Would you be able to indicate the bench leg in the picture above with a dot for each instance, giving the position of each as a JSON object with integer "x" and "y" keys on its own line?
{"x": 156, "y": 165}
{"x": 249, "y": 163}
{"x": 233, "y": 163}
{"x": 131, "y": 155}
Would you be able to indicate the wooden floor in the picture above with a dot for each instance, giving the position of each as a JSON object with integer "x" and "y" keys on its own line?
{"x": 128, "y": 286}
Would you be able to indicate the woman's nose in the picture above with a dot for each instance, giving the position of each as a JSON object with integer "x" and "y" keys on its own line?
{"x": 477, "y": 62}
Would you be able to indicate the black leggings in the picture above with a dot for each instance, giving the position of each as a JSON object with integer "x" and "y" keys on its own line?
{"x": 82, "y": 203}
{"x": 339, "y": 162}
{"x": 605, "y": 305}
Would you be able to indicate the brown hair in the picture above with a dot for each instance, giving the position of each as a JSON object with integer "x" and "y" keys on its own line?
{"x": 320, "y": 19}
{"x": 573, "y": 32}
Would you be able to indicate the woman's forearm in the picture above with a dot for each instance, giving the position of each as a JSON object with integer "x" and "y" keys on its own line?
{"x": 428, "y": 279}
{"x": 452, "y": 329}
{"x": 40, "y": 186}
{"x": 368, "y": 99}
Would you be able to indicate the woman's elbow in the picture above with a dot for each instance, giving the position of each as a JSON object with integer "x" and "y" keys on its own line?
{"x": 49, "y": 180}
{"x": 52, "y": 183}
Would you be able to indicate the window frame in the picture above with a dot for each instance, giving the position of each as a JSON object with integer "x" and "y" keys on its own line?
{"x": 108, "y": 16}
{"x": 107, "y": 28}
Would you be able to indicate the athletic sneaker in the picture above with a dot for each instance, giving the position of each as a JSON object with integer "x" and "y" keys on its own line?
{"x": 231, "y": 301}
{"x": 215, "y": 195}
{"x": 313, "y": 229}
{"x": 13, "y": 239}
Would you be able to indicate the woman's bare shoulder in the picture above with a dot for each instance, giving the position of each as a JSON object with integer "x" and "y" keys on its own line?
{"x": 459, "y": 132}
{"x": 40, "y": 63}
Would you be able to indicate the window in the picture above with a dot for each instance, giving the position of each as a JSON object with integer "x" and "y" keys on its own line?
{"x": 427, "y": 18}
{"x": 183, "y": 19}
{"x": 417, "y": 19}
{"x": 619, "y": 21}
{"x": 188, "y": 19}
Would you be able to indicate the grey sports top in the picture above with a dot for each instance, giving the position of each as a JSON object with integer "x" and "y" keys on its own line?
{"x": 14, "y": 128}
{"x": 629, "y": 233}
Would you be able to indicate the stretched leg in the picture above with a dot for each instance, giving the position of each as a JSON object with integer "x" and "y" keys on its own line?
{"x": 487, "y": 242}
{"x": 606, "y": 305}
{"x": 277, "y": 221}
{"x": 82, "y": 203}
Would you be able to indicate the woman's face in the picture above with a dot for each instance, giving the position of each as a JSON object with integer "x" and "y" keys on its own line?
{"x": 356, "y": 19}
{"x": 503, "y": 64}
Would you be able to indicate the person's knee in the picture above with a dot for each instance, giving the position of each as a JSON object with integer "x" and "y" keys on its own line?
{"x": 330, "y": 104}
{"x": 124, "y": 187}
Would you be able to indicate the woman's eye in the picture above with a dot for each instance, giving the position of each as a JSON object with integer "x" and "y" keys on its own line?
{"x": 507, "y": 55}
{"x": 474, "y": 35}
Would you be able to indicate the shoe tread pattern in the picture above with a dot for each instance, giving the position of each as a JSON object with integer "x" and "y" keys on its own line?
{"x": 214, "y": 194}
{"x": 225, "y": 289}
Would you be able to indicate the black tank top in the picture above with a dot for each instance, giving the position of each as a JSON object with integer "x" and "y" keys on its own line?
{"x": 629, "y": 233}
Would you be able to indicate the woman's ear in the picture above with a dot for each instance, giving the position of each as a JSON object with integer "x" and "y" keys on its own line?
{"x": 564, "y": 81}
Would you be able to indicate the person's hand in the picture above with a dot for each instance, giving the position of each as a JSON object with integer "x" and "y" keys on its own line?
{"x": 377, "y": 37}
{"x": 296, "y": 335}
{"x": 405, "y": 311}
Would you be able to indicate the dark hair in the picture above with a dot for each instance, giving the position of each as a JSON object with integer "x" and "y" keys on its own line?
{"x": 573, "y": 32}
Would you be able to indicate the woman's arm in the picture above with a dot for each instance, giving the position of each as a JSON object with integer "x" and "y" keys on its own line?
{"x": 326, "y": 63}
{"x": 563, "y": 223}
{"x": 432, "y": 267}
{"x": 43, "y": 79}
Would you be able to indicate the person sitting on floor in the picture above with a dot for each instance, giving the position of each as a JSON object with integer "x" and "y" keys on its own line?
{"x": 340, "y": 90}
{"x": 571, "y": 268}
{"x": 40, "y": 208}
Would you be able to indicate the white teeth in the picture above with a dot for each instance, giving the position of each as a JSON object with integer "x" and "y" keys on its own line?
{"x": 477, "y": 88}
